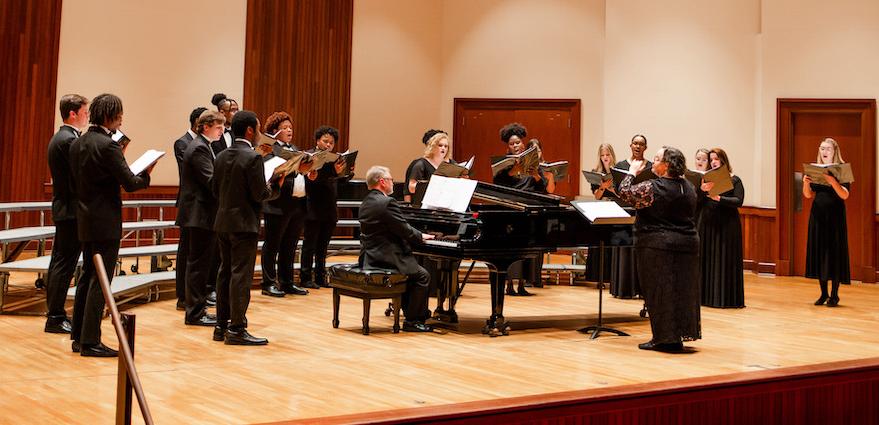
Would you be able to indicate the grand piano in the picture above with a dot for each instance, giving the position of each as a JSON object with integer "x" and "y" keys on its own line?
{"x": 503, "y": 225}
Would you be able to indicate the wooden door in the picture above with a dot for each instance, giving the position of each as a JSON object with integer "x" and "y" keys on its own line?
{"x": 803, "y": 124}
{"x": 556, "y": 123}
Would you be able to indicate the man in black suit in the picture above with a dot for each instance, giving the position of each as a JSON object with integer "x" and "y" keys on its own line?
{"x": 228, "y": 107}
{"x": 321, "y": 217}
{"x": 65, "y": 246}
{"x": 385, "y": 243}
{"x": 240, "y": 186}
{"x": 284, "y": 217}
{"x": 99, "y": 168}
{"x": 196, "y": 213}
{"x": 183, "y": 242}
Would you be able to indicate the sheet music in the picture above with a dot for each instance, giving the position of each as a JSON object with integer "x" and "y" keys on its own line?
{"x": 603, "y": 212}
{"x": 448, "y": 193}
{"x": 148, "y": 158}
{"x": 271, "y": 165}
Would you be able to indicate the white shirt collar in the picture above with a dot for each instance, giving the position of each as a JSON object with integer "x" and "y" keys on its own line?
{"x": 245, "y": 141}
{"x": 191, "y": 133}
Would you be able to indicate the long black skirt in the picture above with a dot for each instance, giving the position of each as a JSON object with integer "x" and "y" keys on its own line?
{"x": 670, "y": 284}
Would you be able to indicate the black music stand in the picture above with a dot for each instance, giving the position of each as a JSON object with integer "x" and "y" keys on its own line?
{"x": 598, "y": 328}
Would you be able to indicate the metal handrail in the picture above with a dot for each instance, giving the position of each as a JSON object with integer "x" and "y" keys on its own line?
{"x": 125, "y": 351}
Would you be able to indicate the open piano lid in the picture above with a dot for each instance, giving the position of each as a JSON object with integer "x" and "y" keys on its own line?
{"x": 514, "y": 198}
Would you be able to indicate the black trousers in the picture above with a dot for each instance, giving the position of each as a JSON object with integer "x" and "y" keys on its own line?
{"x": 416, "y": 296}
{"x": 237, "y": 259}
{"x": 314, "y": 250}
{"x": 202, "y": 264}
{"x": 88, "y": 305}
{"x": 279, "y": 250}
{"x": 65, "y": 254}
{"x": 180, "y": 271}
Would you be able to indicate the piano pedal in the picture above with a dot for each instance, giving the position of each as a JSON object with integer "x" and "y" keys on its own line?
{"x": 389, "y": 310}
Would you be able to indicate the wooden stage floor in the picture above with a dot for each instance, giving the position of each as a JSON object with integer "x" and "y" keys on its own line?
{"x": 311, "y": 370}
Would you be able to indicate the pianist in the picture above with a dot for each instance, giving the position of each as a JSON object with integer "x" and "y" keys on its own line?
{"x": 385, "y": 240}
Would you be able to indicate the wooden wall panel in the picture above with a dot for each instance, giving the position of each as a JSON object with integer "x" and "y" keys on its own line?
{"x": 29, "y": 37}
{"x": 759, "y": 245}
{"x": 297, "y": 59}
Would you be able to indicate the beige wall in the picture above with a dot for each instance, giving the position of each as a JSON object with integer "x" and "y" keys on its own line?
{"x": 525, "y": 49}
{"x": 682, "y": 72}
{"x": 395, "y": 81}
{"x": 163, "y": 58}
{"x": 814, "y": 48}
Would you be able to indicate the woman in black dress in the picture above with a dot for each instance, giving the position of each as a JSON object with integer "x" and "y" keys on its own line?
{"x": 720, "y": 232}
{"x": 436, "y": 152}
{"x": 667, "y": 248}
{"x": 407, "y": 195}
{"x": 624, "y": 279}
{"x": 827, "y": 243}
{"x": 513, "y": 135}
{"x": 605, "y": 191}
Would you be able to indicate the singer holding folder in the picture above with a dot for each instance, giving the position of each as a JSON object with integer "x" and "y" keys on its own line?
{"x": 720, "y": 232}
{"x": 667, "y": 250}
{"x": 827, "y": 243}
{"x": 284, "y": 217}
{"x": 606, "y": 160}
{"x": 99, "y": 169}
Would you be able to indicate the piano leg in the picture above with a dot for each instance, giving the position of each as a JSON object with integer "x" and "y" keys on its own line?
{"x": 496, "y": 325}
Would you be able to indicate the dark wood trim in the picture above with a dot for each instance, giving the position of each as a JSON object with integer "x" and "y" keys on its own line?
{"x": 297, "y": 59}
{"x": 847, "y": 392}
{"x": 29, "y": 40}
{"x": 785, "y": 168}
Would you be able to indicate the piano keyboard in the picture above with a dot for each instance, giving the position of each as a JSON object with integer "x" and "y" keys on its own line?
{"x": 439, "y": 242}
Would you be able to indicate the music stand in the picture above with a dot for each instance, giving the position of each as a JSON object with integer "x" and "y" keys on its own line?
{"x": 598, "y": 213}
{"x": 598, "y": 328}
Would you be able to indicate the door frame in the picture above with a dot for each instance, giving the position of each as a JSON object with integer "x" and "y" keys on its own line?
{"x": 464, "y": 103}
{"x": 785, "y": 196}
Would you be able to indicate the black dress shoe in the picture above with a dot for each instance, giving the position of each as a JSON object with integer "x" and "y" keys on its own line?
{"x": 242, "y": 337}
{"x": 75, "y": 346}
{"x": 211, "y": 299}
{"x": 181, "y": 305}
{"x": 523, "y": 293}
{"x": 219, "y": 333}
{"x": 272, "y": 291}
{"x": 206, "y": 319}
{"x": 98, "y": 350}
{"x": 821, "y": 300}
{"x": 54, "y": 326}
{"x": 323, "y": 284}
{"x": 649, "y": 345}
{"x": 673, "y": 347}
{"x": 309, "y": 284}
{"x": 833, "y": 302}
{"x": 295, "y": 290}
{"x": 417, "y": 327}
{"x": 510, "y": 291}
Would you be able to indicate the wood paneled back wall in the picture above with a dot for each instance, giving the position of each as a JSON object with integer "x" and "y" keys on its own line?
{"x": 297, "y": 59}
{"x": 29, "y": 35}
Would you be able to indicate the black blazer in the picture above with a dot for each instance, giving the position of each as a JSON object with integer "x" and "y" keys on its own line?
{"x": 219, "y": 145}
{"x": 385, "y": 236}
{"x": 179, "y": 148}
{"x": 321, "y": 194}
{"x": 285, "y": 202}
{"x": 98, "y": 169}
{"x": 240, "y": 186}
{"x": 63, "y": 191}
{"x": 197, "y": 206}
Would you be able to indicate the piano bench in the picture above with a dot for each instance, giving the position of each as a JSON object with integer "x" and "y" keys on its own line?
{"x": 367, "y": 284}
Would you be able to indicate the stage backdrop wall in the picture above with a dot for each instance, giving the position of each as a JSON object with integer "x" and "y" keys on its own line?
{"x": 163, "y": 58}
